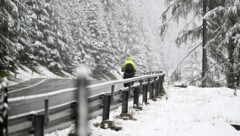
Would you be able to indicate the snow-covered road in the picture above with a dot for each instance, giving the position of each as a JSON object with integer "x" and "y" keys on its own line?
{"x": 188, "y": 111}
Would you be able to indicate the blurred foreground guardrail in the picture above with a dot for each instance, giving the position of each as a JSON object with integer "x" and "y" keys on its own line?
{"x": 3, "y": 109}
{"x": 50, "y": 118}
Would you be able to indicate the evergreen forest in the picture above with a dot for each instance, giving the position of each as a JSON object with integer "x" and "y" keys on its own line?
{"x": 61, "y": 34}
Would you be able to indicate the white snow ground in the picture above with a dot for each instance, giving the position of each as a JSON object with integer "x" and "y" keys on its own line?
{"x": 188, "y": 111}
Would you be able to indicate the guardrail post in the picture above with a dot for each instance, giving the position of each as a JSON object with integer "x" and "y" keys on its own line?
{"x": 106, "y": 106}
{"x": 106, "y": 123}
{"x": 112, "y": 93}
{"x": 130, "y": 91}
{"x": 145, "y": 93}
{"x": 141, "y": 87}
{"x": 4, "y": 109}
{"x": 125, "y": 115}
{"x": 136, "y": 97}
{"x": 161, "y": 84}
{"x": 125, "y": 101}
{"x": 81, "y": 127}
{"x": 38, "y": 125}
{"x": 157, "y": 86}
{"x": 150, "y": 88}
{"x": 46, "y": 112}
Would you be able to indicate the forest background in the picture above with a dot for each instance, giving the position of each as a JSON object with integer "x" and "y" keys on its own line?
{"x": 60, "y": 34}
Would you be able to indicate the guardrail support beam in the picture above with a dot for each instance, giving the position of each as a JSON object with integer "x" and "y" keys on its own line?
{"x": 106, "y": 106}
{"x": 136, "y": 97}
{"x": 125, "y": 115}
{"x": 141, "y": 87}
{"x": 163, "y": 76}
{"x": 125, "y": 101}
{"x": 46, "y": 112}
{"x": 112, "y": 93}
{"x": 4, "y": 109}
{"x": 106, "y": 123}
{"x": 38, "y": 125}
{"x": 161, "y": 84}
{"x": 145, "y": 93}
{"x": 151, "y": 90}
{"x": 81, "y": 127}
{"x": 130, "y": 91}
{"x": 157, "y": 86}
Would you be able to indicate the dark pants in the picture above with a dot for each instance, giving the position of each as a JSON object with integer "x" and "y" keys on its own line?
{"x": 128, "y": 75}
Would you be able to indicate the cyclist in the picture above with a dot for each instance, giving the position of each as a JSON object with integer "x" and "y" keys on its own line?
{"x": 129, "y": 69}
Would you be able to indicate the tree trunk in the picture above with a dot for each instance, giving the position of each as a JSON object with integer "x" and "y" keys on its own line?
{"x": 238, "y": 76}
{"x": 231, "y": 81}
{"x": 204, "y": 50}
{"x": 233, "y": 74}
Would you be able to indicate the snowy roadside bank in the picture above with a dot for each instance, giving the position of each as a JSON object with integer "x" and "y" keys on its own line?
{"x": 183, "y": 112}
{"x": 26, "y": 74}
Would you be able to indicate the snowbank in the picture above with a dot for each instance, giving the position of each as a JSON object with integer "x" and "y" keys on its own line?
{"x": 188, "y": 111}
{"x": 25, "y": 74}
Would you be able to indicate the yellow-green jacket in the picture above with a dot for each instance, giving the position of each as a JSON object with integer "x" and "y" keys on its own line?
{"x": 127, "y": 61}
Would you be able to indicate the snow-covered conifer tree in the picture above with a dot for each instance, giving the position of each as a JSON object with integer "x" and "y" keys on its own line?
{"x": 11, "y": 33}
{"x": 221, "y": 17}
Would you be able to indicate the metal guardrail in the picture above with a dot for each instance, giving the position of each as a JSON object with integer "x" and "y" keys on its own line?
{"x": 4, "y": 109}
{"x": 50, "y": 118}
